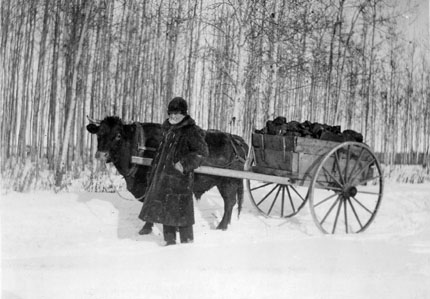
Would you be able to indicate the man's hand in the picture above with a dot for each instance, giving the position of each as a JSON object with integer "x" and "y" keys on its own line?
{"x": 179, "y": 167}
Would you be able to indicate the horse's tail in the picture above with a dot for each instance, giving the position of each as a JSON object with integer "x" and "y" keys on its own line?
{"x": 239, "y": 194}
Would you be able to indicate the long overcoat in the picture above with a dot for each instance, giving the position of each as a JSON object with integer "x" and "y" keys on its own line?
{"x": 169, "y": 198}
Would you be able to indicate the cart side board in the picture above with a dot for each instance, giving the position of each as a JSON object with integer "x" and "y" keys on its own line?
{"x": 299, "y": 157}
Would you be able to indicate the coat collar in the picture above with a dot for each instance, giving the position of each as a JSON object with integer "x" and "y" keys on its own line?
{"x": 187, "y": 121}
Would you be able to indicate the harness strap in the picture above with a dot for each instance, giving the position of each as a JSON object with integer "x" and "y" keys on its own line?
{"x": 139, "y": 139}
{"x": 140, "y": 136}
{"x": 236, "y": 152}
{"x": 145, "y": 148}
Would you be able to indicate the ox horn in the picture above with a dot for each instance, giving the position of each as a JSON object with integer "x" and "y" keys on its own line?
{"x": 94, "y": 121}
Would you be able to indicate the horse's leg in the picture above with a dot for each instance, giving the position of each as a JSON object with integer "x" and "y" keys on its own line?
{"x": 146, "y": 229}
{"x": 228, "y": 193}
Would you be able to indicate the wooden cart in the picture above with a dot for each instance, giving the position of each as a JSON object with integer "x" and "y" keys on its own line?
{"x": 343, "y": 182}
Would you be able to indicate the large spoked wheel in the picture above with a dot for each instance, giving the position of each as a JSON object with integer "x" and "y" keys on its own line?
{"x": 272, "y": 199}
{"x": 346, "y": 190}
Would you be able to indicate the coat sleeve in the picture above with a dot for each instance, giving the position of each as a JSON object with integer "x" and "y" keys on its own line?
{"x": 197, "y": 150}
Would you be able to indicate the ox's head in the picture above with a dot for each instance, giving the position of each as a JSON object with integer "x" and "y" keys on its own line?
{"x": 112, "y": 135}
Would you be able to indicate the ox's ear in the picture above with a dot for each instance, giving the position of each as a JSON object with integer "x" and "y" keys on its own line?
{"x": 93, "y": 128}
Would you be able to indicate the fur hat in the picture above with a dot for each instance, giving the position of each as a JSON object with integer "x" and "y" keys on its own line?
{"x": 178, "y": 104}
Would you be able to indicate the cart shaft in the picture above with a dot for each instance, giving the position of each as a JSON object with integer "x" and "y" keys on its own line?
{"x": 238, "y": 174}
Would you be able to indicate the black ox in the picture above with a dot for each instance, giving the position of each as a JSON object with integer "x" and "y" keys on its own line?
{"x": 117, "y": 142}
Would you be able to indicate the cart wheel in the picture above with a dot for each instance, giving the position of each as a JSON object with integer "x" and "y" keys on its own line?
{"x": 272, "y": 199}
{"x": 347, "y": 187}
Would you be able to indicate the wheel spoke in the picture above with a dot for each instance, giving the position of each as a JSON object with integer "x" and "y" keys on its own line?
{"x": 329, "y": 211}
{"x": 336, "y": 160}
{"x": 355, "y": 212}
{"x": 333, "y": 178}
{"x": 329, "y": 187}
{"x": 291, "y": 199}
{"x": 337, "y": 216}
{"x": 334, "y": 189}
{"x": 355, "y": 164}
{"x": 367, "y": 192}
{"x": 294, "y": 189}
{"x": 362, "y": 205}
{"x": 283, "y": 200}
{"x": 362, "y": 169}
{"x": 326, "y": 187}
{"x": 368, "y": 180}
{"x": 321, "y": 184}
{"x": 339, "y": 206}
{"x": 348, "y": 158}
{"x": 267, "y": 195}
{"x": 261, "y": 186}
{"x": 346, "y": 216}
{"x": 324, "y": 200}
{"x": 274, "y": 200}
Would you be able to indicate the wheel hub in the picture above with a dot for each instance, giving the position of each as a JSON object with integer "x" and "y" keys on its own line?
{"x": 349, "y": 192}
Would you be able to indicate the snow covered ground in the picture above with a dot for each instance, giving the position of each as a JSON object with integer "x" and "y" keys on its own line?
{"x": 85, "y": 245}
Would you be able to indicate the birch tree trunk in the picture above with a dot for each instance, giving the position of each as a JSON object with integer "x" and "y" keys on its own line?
{"x": 39, "y": 96}
{"x": 71, "y": 109}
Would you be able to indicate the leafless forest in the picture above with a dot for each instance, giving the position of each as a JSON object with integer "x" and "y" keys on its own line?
{"x": 239, "y": 63}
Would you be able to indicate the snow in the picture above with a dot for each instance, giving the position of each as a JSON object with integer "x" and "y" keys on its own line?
{"x": 85, "y": 245}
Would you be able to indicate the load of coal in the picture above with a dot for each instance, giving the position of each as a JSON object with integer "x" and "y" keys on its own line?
{"x": 307, "y": 129}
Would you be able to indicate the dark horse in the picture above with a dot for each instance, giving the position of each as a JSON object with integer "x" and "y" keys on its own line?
{"x": 117, "y": 142}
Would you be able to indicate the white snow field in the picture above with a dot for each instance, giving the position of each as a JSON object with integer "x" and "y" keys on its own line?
{"x": 86, "y": 245}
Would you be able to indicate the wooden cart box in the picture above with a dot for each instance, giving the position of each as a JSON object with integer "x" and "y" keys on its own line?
{"x": 298, "y": 157}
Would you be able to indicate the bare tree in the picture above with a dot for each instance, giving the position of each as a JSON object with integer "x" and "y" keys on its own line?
{"x": 80, "y": 18}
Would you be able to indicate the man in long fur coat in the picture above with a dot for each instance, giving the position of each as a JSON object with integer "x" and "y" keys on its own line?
{"x": 169, "y": 198}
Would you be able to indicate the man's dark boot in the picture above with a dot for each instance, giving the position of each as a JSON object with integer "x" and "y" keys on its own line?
{"x": 146, "y": 229}
{"x": 186, "y": 234}
{"x": 169, "y": 233}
